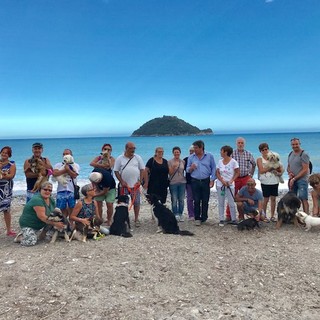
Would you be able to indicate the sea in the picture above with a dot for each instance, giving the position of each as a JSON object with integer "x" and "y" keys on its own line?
{"x": 85, "y": 149}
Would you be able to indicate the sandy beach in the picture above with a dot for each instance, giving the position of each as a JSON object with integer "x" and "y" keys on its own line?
{"x": 220, "y": 273}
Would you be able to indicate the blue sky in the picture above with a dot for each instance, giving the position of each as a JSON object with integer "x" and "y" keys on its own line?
{"x": 105, "y": 67}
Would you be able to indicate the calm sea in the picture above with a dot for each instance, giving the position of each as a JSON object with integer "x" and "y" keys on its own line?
{"x": 85, "y": 149}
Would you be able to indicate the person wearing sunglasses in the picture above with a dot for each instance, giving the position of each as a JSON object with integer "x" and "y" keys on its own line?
{"x": 314, "y": 181}
{"x": 35, "y": 216}
{"x": 250, "y": 201}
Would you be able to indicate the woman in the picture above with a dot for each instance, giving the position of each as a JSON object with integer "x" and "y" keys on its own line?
{"x": 35, "y": 216}
{"x": 7, "y": 173}
{"x": 156, "y": 175}
{"x": 105, "y": 160}
{"x": 177, "y": 184}
{"x": 269, "y": 181}
{"x": 314, "y": 181}
{"x": 227, "y": 172}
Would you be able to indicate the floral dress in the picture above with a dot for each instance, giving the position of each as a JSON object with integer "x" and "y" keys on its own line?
{"x": 6, "y": 187}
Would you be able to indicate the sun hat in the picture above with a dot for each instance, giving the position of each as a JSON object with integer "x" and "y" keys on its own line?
{"x": 95, "y": 177}
{"x": 37, "y": 144}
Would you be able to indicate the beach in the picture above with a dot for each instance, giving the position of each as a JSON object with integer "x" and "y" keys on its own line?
{"x": 219, "y": 273}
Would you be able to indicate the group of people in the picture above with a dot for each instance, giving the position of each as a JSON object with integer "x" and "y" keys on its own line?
{"x": 190, "y": 178}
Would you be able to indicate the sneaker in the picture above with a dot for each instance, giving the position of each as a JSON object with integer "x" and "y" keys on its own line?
{"x": 177, "y": 217}
{"x": 198, "y": 223}
{"x": 221, "y": 223}
{"x": 234, "y": 223}
{"x": 11, "y": 233}
{"x": 181, "y": 218}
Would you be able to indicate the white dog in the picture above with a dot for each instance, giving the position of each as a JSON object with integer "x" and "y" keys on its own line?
{"x": 274, "y": 163}
{"x": 308, "y": 220}
{"x": 63, "y": 179}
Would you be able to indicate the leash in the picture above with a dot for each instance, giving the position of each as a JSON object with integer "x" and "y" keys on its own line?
{"x": 133, "y": 193}
{"x": 234, "y": 199}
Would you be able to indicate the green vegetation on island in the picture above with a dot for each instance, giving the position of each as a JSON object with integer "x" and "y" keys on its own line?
{"x": 169, "y": 126}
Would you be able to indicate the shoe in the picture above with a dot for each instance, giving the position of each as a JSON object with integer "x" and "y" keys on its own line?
{"x": 137, "y": 223}
{"x": 273, "y": 219}
{"x": 198, "y": 223}
{"x": 191, "y": 218}
{"x": 221, "y": 223}
{"x": 11, "y": 233}
{"x": 266, "y": 220}
{"x": 181, "y": 218}
{"x": 159, "y": 230}
{"x": 233, "y": 223}
{"x": 177, "y": 217}
{"x": 18, "y": 238}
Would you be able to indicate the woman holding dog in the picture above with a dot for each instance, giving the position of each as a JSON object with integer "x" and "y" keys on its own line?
{"x": 105, "y": 160}
{"x": 269, "y": 179}
{"x": 7, "y": 173}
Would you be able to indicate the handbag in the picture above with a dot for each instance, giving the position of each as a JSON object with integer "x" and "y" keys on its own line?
{"x": 76, "y": 190}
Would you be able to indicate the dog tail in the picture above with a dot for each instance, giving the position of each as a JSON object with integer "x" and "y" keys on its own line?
{"x": 185, "y": 233}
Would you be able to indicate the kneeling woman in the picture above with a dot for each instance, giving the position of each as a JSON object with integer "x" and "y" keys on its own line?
{"x": 35, "y": 216}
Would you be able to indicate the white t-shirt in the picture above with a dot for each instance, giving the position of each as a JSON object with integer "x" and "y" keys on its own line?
{"x": 129, "y": 171}
{"x": 69, "y": 186}
{"x": 227, "y": 171}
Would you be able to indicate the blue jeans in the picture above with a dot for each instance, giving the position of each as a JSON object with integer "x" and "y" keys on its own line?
{"x": 201, "y": 195}
{"x": 177, "y": 192}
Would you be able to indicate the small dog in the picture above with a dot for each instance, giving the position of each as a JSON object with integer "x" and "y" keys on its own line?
{"x": 105, "y": 157}
{"x": 57, "y": 216}
{"x": 274, "y": 163}
{"x": 37, "y": 167}
{"x": 121, "y": 223}
{"x": 63, "y": 179}
{"x": 166, "y": 219}
{"x": 248, "y": 224}
{"x": 82, "y": 232}
{"x": 308, "y": 220}
{"x": 287, "y": 208}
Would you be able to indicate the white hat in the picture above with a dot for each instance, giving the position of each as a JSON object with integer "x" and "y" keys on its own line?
{"x": 95, "y": 177}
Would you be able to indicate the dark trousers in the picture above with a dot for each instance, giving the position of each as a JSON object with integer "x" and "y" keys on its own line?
{"x": 201, "y": 195}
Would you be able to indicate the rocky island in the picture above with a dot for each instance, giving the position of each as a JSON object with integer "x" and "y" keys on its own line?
{"x": 169, "y": 126}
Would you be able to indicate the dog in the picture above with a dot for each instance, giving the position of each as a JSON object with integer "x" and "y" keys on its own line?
{"x": 308, "y": 220}
{"x": 57, "y": 216}
{"x": 37, "y": 167}
{"x": 63, "y": 179}
{"x": 121, "y": 223}
{"x": 248, "y": 224}
{"x": 287, "y": 208}
{"x": 166, "y": 219}
{"x": 273, "y": 163}
{"x": 83, "y": 232}
{"x": 105, "y": 157}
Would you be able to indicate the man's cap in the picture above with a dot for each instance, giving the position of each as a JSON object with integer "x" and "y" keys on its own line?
{"x": 95, "y": 177}
{"x": 37, "y": 144}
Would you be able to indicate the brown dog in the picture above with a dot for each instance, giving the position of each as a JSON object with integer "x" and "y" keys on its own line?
{"x": 38, "y": 167}
{"x": 82, "y": 232}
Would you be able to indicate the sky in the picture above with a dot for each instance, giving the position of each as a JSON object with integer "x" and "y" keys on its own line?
{"x": 105, "y": 67}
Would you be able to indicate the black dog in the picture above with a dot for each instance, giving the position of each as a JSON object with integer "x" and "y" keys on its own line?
{"x": 167, "y": 220}
{"x": 121, "y": 223}
{"x": 248, "y": 224}
{"x": 287, "y": 208}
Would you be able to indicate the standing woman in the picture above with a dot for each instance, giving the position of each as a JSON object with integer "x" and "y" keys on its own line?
{"x": 177, "y": 185}
{"x": 269, "y": 181}
{"x": 7, "y": 173}
{"x": 156, "y": 175}
{"x": 227, "y": 172}
{"x": 105, "y": 160}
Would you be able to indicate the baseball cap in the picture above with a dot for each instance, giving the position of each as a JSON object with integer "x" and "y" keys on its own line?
{"x": 95, "y": 177}
{"x": 37, "y": 144}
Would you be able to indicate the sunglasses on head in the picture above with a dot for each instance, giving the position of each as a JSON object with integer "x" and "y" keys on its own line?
{"x": 295, "y": 139}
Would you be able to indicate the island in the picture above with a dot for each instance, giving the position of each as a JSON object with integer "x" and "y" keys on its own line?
{"x": 169, "y": 126}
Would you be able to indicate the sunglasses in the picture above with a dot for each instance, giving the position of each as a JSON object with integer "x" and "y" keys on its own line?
{"x": 47, "y": 190}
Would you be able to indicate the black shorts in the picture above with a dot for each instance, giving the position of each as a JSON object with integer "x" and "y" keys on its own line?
{"x": 269, "y": 190}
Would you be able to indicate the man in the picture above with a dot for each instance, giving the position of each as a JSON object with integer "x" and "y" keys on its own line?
{"x": 298, "y": 171}
{"x": 249, "y": 199}
{"x": 129, "y": 169}
{"x": 105, "y": 190}
{"x": 202, "y": 167}
{"x": 31, "y": 176}
{"x": 247, "y": 167}
{"x": 65, "y": 192}
{"x": 190, "y": 205}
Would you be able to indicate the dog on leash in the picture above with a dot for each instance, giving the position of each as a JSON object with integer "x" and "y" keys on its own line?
{"x": 273, "y": 163}
{"x": 166, "y": 219}
{"x": 287, "y": 208}
{"x": 57, "y": 216}
{"x": 308, "y": 220}
{"x": 121, "y": 222}
{"x": 248, "y": 224}
{"x": 83, "y": 232}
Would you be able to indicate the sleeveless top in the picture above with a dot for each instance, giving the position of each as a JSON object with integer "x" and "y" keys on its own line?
{"x": 268, "y": 177}
{"x": 87, "y": 210}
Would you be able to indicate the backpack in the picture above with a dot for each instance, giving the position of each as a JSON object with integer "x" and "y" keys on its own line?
{"x": 310, "y": 163}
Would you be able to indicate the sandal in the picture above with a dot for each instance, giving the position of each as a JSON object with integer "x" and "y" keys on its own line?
{"x": 11, "y": 233}
{"x": 273, "y": 219}
{"x": 266, "y": 220}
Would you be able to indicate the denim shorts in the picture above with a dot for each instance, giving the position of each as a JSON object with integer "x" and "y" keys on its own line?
{"x": 65, "y": 199}
{"x": 300, "y": 188}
